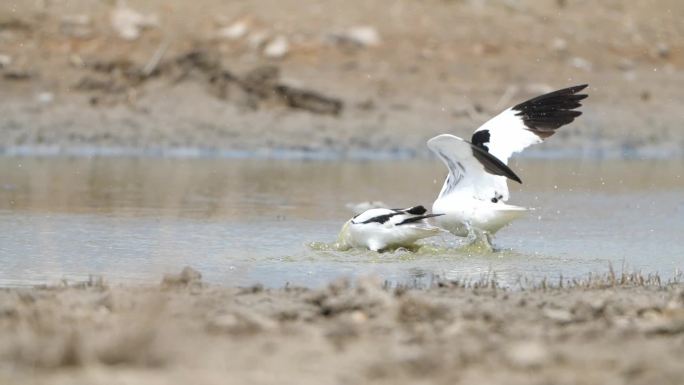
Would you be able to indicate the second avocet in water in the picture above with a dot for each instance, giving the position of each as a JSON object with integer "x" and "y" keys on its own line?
{"x": 380, "y": 229}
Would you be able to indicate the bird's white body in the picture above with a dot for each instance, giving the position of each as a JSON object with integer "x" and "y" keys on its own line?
{"x": 471, "y": 198}
{"x": 475, "y": 191}
{"x": 380, "y": 229}
{"x": 462, "y": 214}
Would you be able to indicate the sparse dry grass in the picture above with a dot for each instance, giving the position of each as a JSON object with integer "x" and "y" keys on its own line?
{"x": 608, "y": 328}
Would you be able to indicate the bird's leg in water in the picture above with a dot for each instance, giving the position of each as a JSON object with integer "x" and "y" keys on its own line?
{"x": 479, "y": 238}
{"x": 471, "y": 232}
{"x": 490, "y": 238}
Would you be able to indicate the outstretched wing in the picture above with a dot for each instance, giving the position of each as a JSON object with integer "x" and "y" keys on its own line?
{"x": 525, "y": 124}
{"x": 471, "y": 168}
{"x": 529, "y": 122}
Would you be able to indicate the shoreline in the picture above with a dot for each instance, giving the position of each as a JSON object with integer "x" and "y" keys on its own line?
{"x": 612, "y": 330}
{"x": 661, "y": 152}
{"x": 599, "y": 279}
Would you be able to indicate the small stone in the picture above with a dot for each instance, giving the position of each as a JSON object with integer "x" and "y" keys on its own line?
{"x": 187, "y": 277}
{"x": 665, "y": 322}
{"x": 662, "y": 50}
{"x": 358, "y": 317}
{"x": 559, "y": 315}
{"x": 559, "y": 45}
{"x": 360, "y": 36}
{"x": 189, "y": 274}
{"x": 364, "y": 36}
{"x": 5, "y": 60}
{"x": 45, "y": 97}
{"x": 129, "y": 23}
{"x": 581, "y": 63}
{"x": 277, "y": 48}
{"x": 527, "y": 355}
{"x": 235, "y": 31}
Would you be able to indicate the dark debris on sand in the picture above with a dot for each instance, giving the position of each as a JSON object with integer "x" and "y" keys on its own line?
{"x": 114, "y": 80}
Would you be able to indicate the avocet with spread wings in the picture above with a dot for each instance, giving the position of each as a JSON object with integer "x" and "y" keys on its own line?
{"x": 474, "y": 194}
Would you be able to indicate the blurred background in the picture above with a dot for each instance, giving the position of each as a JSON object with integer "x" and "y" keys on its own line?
{"x": 331, "y": 78}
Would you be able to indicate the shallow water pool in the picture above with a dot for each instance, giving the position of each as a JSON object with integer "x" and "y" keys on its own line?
{"x": 242, "y": 222}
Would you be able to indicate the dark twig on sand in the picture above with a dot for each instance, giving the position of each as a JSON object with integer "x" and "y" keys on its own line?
{"x": 262, "y": 84}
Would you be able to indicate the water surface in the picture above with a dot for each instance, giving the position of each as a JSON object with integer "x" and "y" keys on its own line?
{"x": 251, "y": 221}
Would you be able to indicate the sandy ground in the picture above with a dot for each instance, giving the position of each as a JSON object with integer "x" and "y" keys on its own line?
{"x": 608, "y": 330}
{"x": 69, "y": 80}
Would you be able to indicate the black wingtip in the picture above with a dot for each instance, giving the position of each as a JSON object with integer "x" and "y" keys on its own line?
{"x": 577, "y": 88}
{"x": 417, "y": 219}
{"x": 546, "y": 113}
{"x": 492, "y": 164}
{"x": 513, "y": 176}
{"x": 416, "y": 210}
{"x": 555, "y": 99}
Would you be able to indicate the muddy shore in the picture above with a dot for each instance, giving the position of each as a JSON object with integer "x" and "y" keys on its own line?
{"x": 608, "y": 330}
{"x": 266, "y": 77}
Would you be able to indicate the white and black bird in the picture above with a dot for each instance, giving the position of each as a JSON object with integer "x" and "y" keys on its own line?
{"x": 475, "y": 191}
{"x": 380, "y": 229}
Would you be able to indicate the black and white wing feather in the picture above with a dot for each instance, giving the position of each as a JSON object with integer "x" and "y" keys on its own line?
{"x": 392, "y": 217}
{"x": 470, "y": 167}
{"x": 380, "y": 229}
{"x": 479, "y": 168}
{"x": 529, "y": 122}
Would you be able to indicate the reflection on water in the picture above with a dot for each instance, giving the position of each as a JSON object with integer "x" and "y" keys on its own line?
{"x": 246, "y": 221}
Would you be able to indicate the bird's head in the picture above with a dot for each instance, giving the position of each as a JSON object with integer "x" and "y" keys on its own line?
{"x": 344, "y": 238}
